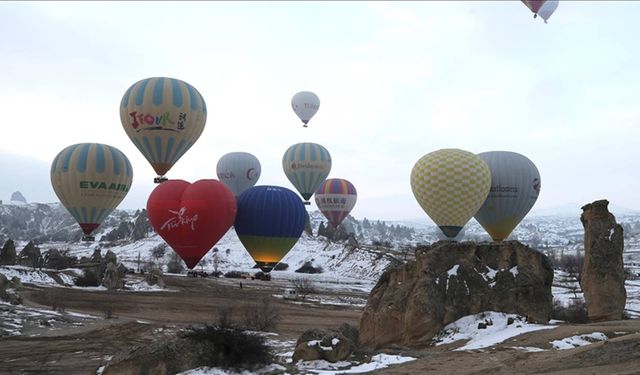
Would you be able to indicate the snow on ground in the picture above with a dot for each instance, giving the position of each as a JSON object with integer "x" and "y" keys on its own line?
{"x": 34, "y": 276}
{"x": 15, "y": 318}
{"x": 579, "y": 340}
{"x": 466, "y": 328}
{"x": 378, "y": 361}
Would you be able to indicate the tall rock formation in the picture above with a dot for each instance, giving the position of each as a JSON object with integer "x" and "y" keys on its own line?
{"x": 450, "y": 280}
{"x": 602, "y": 279}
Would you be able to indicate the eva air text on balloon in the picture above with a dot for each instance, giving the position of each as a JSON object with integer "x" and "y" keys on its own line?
{"x": 99, "y": 185}
{"x": 165, "y": 119}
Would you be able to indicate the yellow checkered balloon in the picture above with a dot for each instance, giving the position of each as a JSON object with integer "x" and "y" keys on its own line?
{"x": 450, "y": 185}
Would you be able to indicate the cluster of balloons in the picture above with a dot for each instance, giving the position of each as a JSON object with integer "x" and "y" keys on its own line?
{"x": 498, "y": 188}
{"x": 164, "y": 117}
{"x": 542, "y": 8}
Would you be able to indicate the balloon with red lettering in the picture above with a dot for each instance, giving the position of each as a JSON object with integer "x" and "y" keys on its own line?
{"x": 450, "y": 185}
{"x": 542, "y": 8}
{"x": 191, "y": 218}
{"x": 306, "y": 165}
{"x": 163, "y": 117}
{"x": 90, "y": 179}
{"x": 270, "y": 221}
{"x": 305, "y": 104}
{"x": 335, "y": 198}
{"x": 515, "y": 186}
{"x": 239, "y": 171}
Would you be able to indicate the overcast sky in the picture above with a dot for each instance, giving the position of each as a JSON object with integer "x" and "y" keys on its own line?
{"x": 395, "y": 81}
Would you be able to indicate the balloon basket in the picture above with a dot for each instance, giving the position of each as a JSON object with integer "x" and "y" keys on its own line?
{"x": 88, "y": 238}
{"x": 159, "y": 179}
{"x": 307, "y": 203}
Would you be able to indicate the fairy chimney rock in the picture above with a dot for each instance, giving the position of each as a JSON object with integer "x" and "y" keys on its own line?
{"x": 602, "y": 279}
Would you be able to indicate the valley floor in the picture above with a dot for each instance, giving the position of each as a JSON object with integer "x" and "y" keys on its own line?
{"x": 81, "y": 339}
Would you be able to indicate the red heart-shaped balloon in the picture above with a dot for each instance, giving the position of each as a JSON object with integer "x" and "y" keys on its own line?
{"x": 191, "y": 218}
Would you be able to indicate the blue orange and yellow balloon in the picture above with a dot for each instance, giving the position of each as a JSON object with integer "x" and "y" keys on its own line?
{"x": 335, "y": 198}
{"x": 269, "y": 222}
{"x": 305, "y": 104}
{"x": 450, "y": 185}
{"x": 238, "y": 170}
{"x": 90, "y": 179}
{"x": 515, "y": 186}
{"x": 163, "y": 117}
{"x": 306, "y": 165}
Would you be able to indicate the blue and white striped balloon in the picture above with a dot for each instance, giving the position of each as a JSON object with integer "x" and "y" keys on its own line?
{"x": 163, "y": 117}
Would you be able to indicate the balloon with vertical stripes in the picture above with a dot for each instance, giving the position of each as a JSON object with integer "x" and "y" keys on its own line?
{"x": 515, "y": 186}
{"x": 163, "y": 117}
{"x": 91, "y": 179}
{"x": 335, "y": 198}
{"x": 306, "y": 165}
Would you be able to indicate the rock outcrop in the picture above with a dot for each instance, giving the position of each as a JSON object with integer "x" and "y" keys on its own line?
{"x": 329, "y": 345}
{"x": 17, "y": 197}
{"x": 9, "y": 290}
{"x": 8, "y": 253}
{"x": 449, "y": 280}
{"x": 113, "y": 277}
{"x": 602, "y": 279}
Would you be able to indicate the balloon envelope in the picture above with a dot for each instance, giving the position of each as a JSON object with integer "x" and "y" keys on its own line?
{"x": 533, "y": 5}
{"x": 238, "y": 170}
{"x": 450, "y": 185}
{"x": 335, "y": 198}
{"x": 547, "y": 9}
{"x": 191, "y": 218}
{"x": 91, "y": 179}
{"x": 515, "y": 186}
{"x": 270, "y": 221}
{"x": 163, "y": 117}
{"x": 305, "y": 104}
{"x": 306, "y": 165}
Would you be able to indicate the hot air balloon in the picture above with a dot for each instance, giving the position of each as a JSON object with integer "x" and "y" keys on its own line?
{"x": 191, "y": 218}
{"x": 335, "y": 198}
{"x": 306, "y": 165}
{"x": 544, "y": 8}
{"x": 238, "y": 170}
{"x": 305, "y": 104}
{"x": 547, "y": 9}
{"x": 270, "y": 221}
{"x": 91, "y": 179}
{"x": 515, "y": 186}
{"x": 164, "y": 117}
{"x": 450, "y": 185}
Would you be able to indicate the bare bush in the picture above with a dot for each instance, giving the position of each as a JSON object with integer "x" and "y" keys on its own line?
{"x": 574, "y": 312}
{"x": 303, "y": 287}
{"x": 261, "y": 316}
{"x": 229, "y": 347}
{"x": 175, "y": 264}
{"x": 225, "y": 316}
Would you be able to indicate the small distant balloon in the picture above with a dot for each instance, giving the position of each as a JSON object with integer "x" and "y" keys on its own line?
{"x": 163, "y": 117}
{"x": 91, "y": 179}
{"x": 335, "y": 198}
{"x": 542, "y": 8}
{"x": 239, "y": 171}
{"x": 305, "y": 104}
{"x": 450, "y": 185}
{"x": 306, "y": 165}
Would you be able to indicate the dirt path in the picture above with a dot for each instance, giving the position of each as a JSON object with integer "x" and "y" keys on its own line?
{"x": 139, "y": 318}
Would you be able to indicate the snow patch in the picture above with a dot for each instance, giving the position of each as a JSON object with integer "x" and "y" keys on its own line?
{"x": 466, "y": 328}
{"x": 578, "y": 340}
